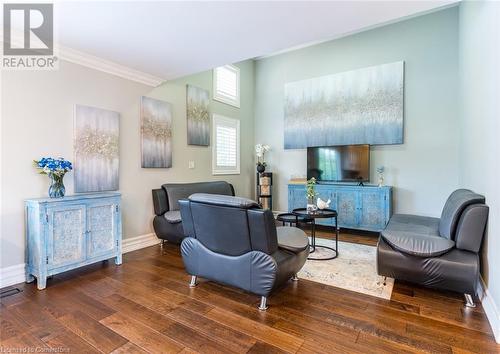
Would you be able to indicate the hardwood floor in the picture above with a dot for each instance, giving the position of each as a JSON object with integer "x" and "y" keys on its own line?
{"x": 145, "y": 305}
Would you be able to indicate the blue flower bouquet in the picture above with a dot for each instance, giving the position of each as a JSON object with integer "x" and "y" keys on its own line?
{"x": 55, "y": 169}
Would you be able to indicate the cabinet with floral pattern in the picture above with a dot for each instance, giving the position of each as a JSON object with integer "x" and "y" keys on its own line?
{"x": 71, "y": 232}
{"x": 359, "y": 207}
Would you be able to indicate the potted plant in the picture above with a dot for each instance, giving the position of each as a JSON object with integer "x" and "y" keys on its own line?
{"x": 311, "y": 194}
{"x": 260, "y": 151}
{"x": 55, "y": 169}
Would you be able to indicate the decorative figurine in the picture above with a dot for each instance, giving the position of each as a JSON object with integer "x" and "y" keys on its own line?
{"x": 380, "y": 171}
{"x": 322, "y": 204}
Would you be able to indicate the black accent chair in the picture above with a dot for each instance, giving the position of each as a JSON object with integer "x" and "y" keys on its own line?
{"x": 235, "y": 242}
{"x": 167, "y": 223}
{"x": 441, "y": 252}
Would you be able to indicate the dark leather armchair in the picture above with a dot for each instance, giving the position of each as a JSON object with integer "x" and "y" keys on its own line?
{"x": 235, "y": 242}
{"x": 437, "y": 252}
{"x": 167, "y": 223}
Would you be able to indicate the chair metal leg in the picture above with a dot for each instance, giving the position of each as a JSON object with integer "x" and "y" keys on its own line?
{"x": 295, "y": 277}
{"x": 263, "y": 303}
{"x": 385, "y": 281}
{"x": 193, "y": 283}
{"x": 469, "y": 301}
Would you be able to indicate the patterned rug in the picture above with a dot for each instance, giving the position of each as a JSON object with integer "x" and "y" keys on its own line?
{"x": 354, "y": 269}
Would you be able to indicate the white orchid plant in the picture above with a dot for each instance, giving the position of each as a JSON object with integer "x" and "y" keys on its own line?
{"x": 260, "y": 151}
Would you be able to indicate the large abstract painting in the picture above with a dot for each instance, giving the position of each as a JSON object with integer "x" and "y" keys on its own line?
{"x": 156, "y": 133}
{"x": 96, "y": 149}
{"x": 198, "y": 118}
{"x": 363, "y": 106}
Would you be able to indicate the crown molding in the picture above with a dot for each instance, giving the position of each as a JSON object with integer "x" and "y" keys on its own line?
{"x": 88, "y": 60}
{"x": 96, "y": 63}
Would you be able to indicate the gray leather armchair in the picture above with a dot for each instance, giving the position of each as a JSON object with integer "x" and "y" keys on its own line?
{"x": 235, "y": 242}
{"x": 167, "y": 223}
{"x": 437, "y": 252}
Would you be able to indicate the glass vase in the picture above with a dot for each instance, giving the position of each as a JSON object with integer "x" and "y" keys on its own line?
{"x": 311, "y": 207}
{"x": 56, "y": 189}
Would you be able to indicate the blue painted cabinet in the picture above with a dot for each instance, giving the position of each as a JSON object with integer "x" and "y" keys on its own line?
{"x": 71, "y": 232}
{"x": 359, "y": 207}
{"x": 347, "y": 207}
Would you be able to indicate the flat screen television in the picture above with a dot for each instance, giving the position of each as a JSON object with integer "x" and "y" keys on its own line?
{"x": 347, "y": 163}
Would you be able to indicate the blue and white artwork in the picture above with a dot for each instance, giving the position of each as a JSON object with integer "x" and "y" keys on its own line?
{"x": 156, "y": 133}
{"x": 97, "y": 135}
{"x": 363, "y": 106}
{"x": 198, "y": 117}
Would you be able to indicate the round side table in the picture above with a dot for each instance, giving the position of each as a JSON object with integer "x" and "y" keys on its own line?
{"x": 291, "y": 219}
{"x": 320, "y": 214}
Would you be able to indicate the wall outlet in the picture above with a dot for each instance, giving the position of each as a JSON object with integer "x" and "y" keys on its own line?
{"x": 191, "y": 164}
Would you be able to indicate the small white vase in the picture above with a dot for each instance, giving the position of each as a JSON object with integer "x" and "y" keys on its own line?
{"x": 380, "y": 180}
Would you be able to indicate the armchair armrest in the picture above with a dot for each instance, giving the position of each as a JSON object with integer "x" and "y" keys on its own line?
{"x": 471, "y": 227}
{"x": 160, "y": 201}
{"x": 292, "y": 239}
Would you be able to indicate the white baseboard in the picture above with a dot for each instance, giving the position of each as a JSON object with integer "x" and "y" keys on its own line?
{"x": 138, "y": 242}
{"x": 490, "y": 308}
{"x": 16, "y": 274}
{"x": 12, "y": 275}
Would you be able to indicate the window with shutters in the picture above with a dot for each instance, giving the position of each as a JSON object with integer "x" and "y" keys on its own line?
{"x": 226, "y": 146}
{"x": 227, "y": 85}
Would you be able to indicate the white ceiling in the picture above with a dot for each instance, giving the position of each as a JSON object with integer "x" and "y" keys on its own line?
{"x": 173, "y": 39}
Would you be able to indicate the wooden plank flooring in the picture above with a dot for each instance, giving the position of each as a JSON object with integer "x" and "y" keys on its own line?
{"x": 145, "y": 305}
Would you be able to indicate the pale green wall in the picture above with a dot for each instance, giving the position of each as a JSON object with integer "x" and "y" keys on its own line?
{"x": 37, "y": 120}
{"x": 480, "y": 125}
{"x": 425, "y": 169}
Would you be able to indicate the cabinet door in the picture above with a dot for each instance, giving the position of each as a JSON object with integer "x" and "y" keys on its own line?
{"x": 66, "y": 235}
{"x": 347, "y": 208}
{"x": 296, "y": 197}
{"x": 372, "y": 210}
{"x": 101, "y": 238}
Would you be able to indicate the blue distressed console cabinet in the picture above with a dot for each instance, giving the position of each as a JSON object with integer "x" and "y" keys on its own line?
{"x": 359, "y": 207}
{"x": 71, "y": 232}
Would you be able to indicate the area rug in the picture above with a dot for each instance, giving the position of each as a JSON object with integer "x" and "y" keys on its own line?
{"x": 354, "y": 269}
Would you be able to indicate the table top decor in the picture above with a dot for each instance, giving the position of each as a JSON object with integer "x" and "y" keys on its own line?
{"x": 260, "y": 152}
{"x": 311, "y": 194}
{"x": 55, "y": 169}
{"x": 323, "y": 204}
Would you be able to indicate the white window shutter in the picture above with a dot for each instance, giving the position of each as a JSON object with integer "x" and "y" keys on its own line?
{"x": 227, "y": 85}
{"x": 226, "y": 147}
